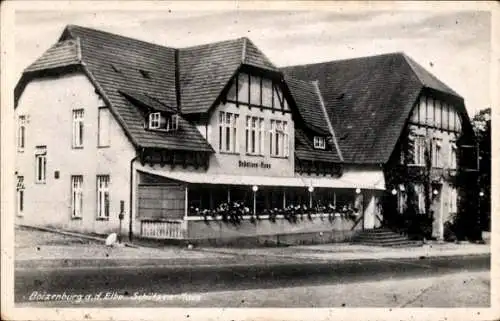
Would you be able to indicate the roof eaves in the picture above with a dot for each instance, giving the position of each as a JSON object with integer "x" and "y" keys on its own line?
{"x": 325, "y": 113}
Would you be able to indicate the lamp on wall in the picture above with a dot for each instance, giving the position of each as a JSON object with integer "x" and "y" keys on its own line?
{"x": 481, "y": 194}
{"x": 311, "y": 190}
{"x": 435, "y": 192}
{"x": 358, "y": 190}
{"x": 394, "y": 192}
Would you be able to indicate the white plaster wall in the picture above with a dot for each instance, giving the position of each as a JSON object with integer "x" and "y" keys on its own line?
{"x": 224, "y": 163}
{"x": 49, "y": 103}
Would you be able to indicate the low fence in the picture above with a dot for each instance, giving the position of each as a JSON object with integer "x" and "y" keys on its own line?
{"x": 162, "y": 229}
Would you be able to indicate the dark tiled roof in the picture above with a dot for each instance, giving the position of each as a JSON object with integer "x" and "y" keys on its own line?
{"x": 206, "y": 69}
{"x": 308, "y": 104}
{"x": 147, "y": 101}
{"x": 368, "y": 100}
{"x": 61, "y": 54}
{"x": 304, "y": 149}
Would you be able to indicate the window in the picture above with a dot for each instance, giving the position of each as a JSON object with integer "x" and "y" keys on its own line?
{"x": 154, "y": 120}
{"x": 436, "y": 153}
{"x": 278, "y": 138}
{"x": 255, "y": 135}
{"x": 172, "y": 123}
{"x": 419, "y": 150}
{"x": 104, "y": 120}
{"x": 76, "y": 196}
{"x": 20, "y": 195}
{"x": 453, "y": 155}
{"x": 319, "y": 142}
{"x": 21, "y": 133}
{"x": 228, "y": 132}
{"x": 103, "y": 196}
{"x": 77, "y": 128}
{"x": 453, "y": 199}
{"x": 420, "y": 193}
{"x": 40, "y": 164}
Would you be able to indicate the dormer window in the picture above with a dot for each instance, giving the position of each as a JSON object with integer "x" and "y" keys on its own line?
{"x": 158, "y": 121}
{"x": 319, "y": 142}
{"x": 154, "y": 120}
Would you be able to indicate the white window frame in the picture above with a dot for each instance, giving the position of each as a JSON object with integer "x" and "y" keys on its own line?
{"x": 453, "y": 155}
{"x": 437, "y": 159}
{"x": 279, "y": 138}
{"x": 21, "y": 133}
{"x": 228, "y": 124}
{"x": 76, "y": 196}
{"x": 78, "y": 125}
{"x": 319, "y": 142}
{"x": 103, "y": 197}
{"x": 154, "y": 120}
{"x": 41, "y": 165}
{"x": 104, "y": 127}
{"x": 20, "y": 196}
{"x": 172, "y": 123}
{"x": 419, "y": 150}
{"x": 255, "y": 130}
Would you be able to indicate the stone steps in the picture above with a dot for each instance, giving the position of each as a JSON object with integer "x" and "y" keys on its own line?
{"x": 383, "y": 237}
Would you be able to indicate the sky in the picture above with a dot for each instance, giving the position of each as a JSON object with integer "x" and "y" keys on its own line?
{"x": 454, "y": 46}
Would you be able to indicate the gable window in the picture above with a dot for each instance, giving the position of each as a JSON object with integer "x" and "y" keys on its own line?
{"x": 419, "y": 150}
{"x": 278, "y": 136}
{"x": 319, "y": 142}
{"x": 255, "y": 135}
{"x": 453, "y": 155}
{"x": 436, "y": 153}
{"x": 20, "y": 195}
{"x": 77, "y": 128}
{"x": 21, "y": 133}
{"x": 154, "y": 120}
{"x": 76, "y": 196}
{"x": 228, "y": 132}
{"x": 102, "y": 196}
{"x": 40, "y": 164}
{"x": 103, "y": 121}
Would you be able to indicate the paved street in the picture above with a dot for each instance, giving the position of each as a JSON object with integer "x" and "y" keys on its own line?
{"x": 198, "y": 279}
{"x": 51, "y": 264}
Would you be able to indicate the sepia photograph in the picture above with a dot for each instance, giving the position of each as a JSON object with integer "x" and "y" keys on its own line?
{"x": 250, "y": 158}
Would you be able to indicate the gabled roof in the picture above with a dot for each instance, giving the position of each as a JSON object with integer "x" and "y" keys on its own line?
{"x": 369, "y": 100}
{"x": 61, "y": 54}
{"x": 206, "y": 69}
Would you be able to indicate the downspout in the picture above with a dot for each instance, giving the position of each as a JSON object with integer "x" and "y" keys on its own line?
{"x": 130, "y": 222}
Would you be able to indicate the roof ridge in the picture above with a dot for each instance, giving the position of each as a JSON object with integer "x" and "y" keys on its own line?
{"x": 396, "y": 53}
{"x": 325, "y": 113}
{"x": 69, "y": 28}
{"x": 413, "y": 64}
{"x": 207, "y": 44}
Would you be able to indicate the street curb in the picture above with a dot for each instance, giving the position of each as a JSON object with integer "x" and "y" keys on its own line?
{"x": 73, "y": 234}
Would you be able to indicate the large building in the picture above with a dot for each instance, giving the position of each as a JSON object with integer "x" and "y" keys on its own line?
{"x": 214, "y": 142}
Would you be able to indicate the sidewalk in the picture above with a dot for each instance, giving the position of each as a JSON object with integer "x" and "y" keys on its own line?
{"x": 47, "y": 249}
